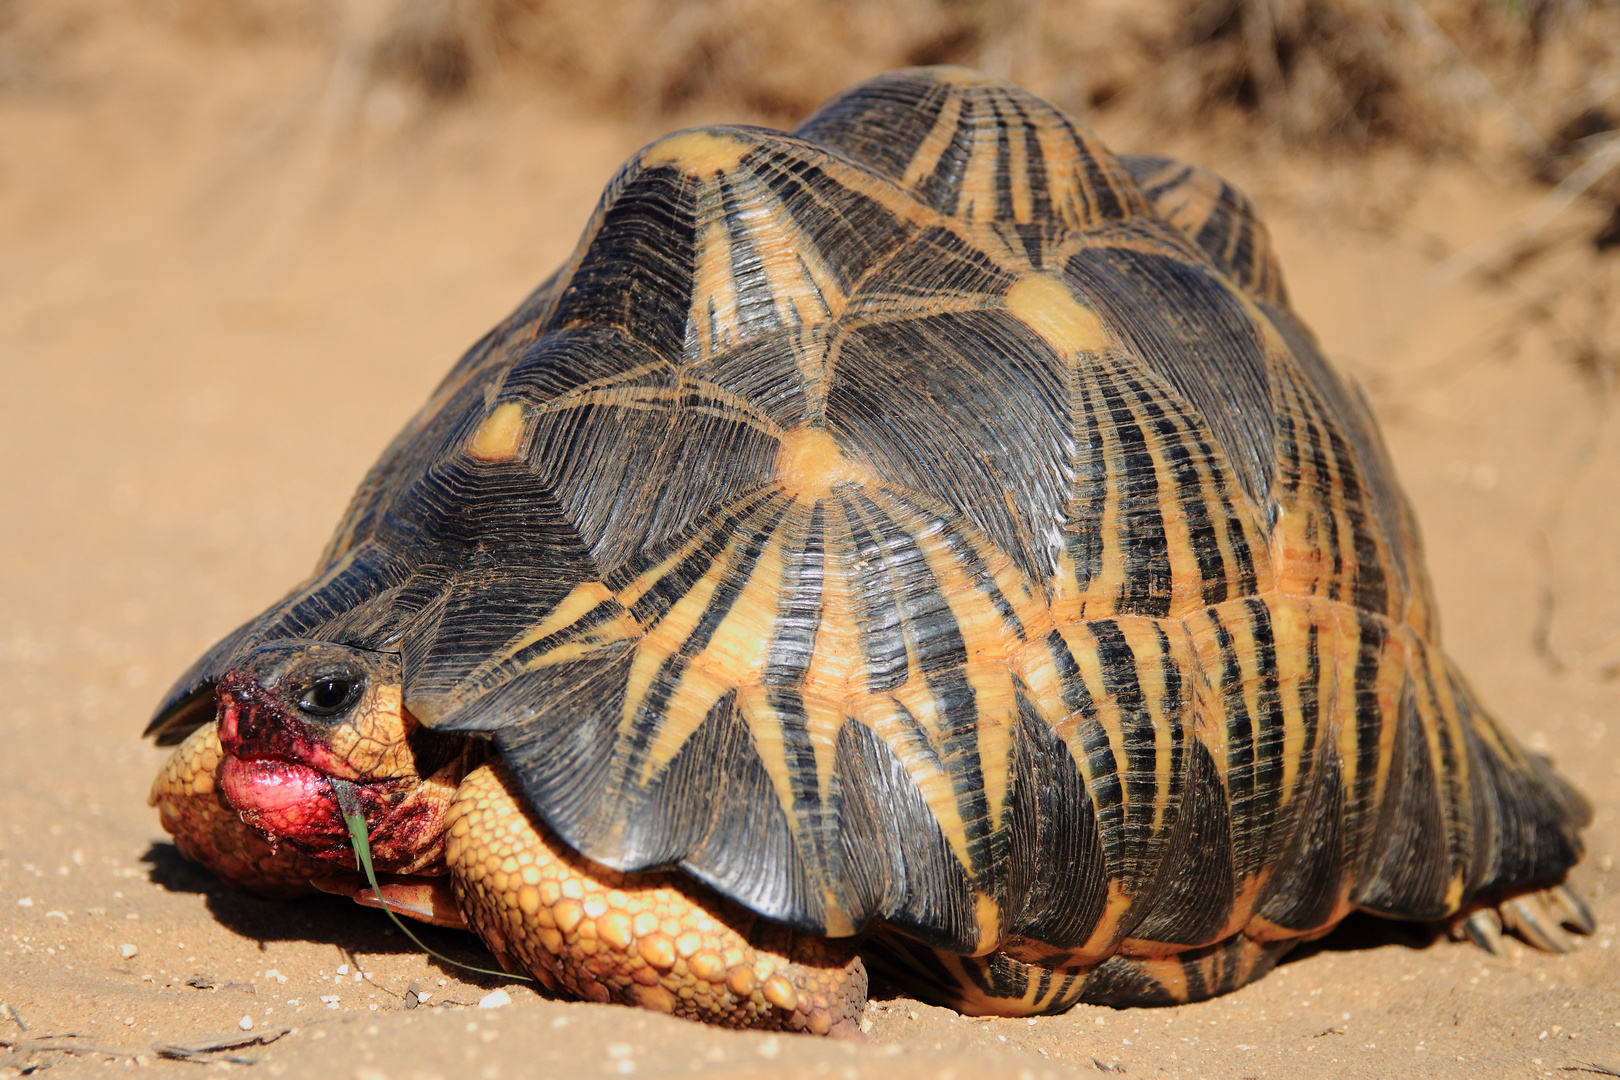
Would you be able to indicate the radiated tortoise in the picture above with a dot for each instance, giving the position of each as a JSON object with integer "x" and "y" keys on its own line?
{"x": 923, "y": 540}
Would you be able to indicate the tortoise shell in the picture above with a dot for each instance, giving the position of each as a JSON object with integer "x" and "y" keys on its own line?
{"x": 929, "y": 519}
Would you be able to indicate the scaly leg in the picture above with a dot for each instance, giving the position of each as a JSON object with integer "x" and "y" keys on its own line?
{"x": 639, "y": 939}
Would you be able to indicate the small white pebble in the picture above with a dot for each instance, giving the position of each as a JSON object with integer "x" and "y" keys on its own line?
{"x": 495, "y": 1000}
{"x": 246, "y": 1023}
{"x": 343, "y": 969}
{"x": 26, "y": 901}
{"x": 372, "y": 1007}
{"x": 422, "y": 996}
{"x": 56, "y": 915}
{"x": 618, "y": 1050}
{"x": 127, "y": 951}
{"x": 276, "y": 975}
{"x": 769, "y": 1048}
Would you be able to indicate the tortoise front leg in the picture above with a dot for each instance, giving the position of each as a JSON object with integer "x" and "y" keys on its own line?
{"x": 639, "y": 939}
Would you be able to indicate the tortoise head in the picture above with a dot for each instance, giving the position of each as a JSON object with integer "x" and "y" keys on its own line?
{"x": 296, "y": 716}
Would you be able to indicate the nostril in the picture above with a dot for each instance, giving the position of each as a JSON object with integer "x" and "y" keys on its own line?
{"x": 240, "y": 724}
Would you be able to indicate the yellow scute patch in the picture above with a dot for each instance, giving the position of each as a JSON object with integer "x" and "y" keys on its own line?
{"x": 500, "y": 435}
{"x": 810, "y": 462}
{"x": 580, "y": 602}
{"x": 697, "y": 153}
{"x": 1049, "y": 307}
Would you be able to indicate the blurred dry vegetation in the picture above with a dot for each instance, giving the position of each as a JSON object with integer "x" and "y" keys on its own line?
{"x": 1531, "y": 87}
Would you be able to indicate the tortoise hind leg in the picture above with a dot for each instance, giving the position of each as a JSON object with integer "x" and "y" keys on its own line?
{"x": 1540, "y": 917}
{"x": 648, "y": 939}
{"x": 1194, "y": 975}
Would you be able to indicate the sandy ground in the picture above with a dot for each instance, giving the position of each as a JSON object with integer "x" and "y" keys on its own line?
{"x": 223, "y": 286}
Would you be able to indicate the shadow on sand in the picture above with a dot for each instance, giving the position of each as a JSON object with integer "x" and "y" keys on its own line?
{"x": 1361, "y": 931}
{"x": 319, "y": 919}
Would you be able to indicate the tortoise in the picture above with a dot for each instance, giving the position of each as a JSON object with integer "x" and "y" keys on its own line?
{"x": 921, "y": 540}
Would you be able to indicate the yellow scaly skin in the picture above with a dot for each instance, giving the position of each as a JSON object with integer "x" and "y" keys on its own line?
{"x": 576, "y": 926}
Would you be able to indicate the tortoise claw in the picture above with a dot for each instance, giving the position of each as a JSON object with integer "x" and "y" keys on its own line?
{"x": 1484, "y": 928}
{"x": 1570, "y": 910}
{"x": 1529, "y": 917}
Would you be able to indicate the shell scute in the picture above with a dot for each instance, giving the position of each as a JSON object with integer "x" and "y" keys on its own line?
{"x": 1187, "y": 326}
{"x": 949, "y": 142}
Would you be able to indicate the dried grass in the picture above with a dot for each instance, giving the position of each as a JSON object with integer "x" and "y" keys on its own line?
{"x": 1530, "y": 85}
{"x": 1333, "y": 75}
{"x": 770, "y": 59}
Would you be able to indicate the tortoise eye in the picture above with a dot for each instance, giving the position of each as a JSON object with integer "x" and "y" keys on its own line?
{"x": 330, "y": 695}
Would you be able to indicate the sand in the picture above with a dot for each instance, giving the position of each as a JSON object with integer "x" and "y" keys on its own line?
{"x": 223, "y": 285}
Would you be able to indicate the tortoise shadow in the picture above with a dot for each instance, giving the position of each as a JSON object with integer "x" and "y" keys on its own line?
{"x": 1360, "y": 932}
{"x": 320, "y": 920}
{"x": 332, "y": 920}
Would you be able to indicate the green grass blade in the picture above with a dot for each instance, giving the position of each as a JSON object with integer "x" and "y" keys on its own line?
{"x": 355, "y": 820}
